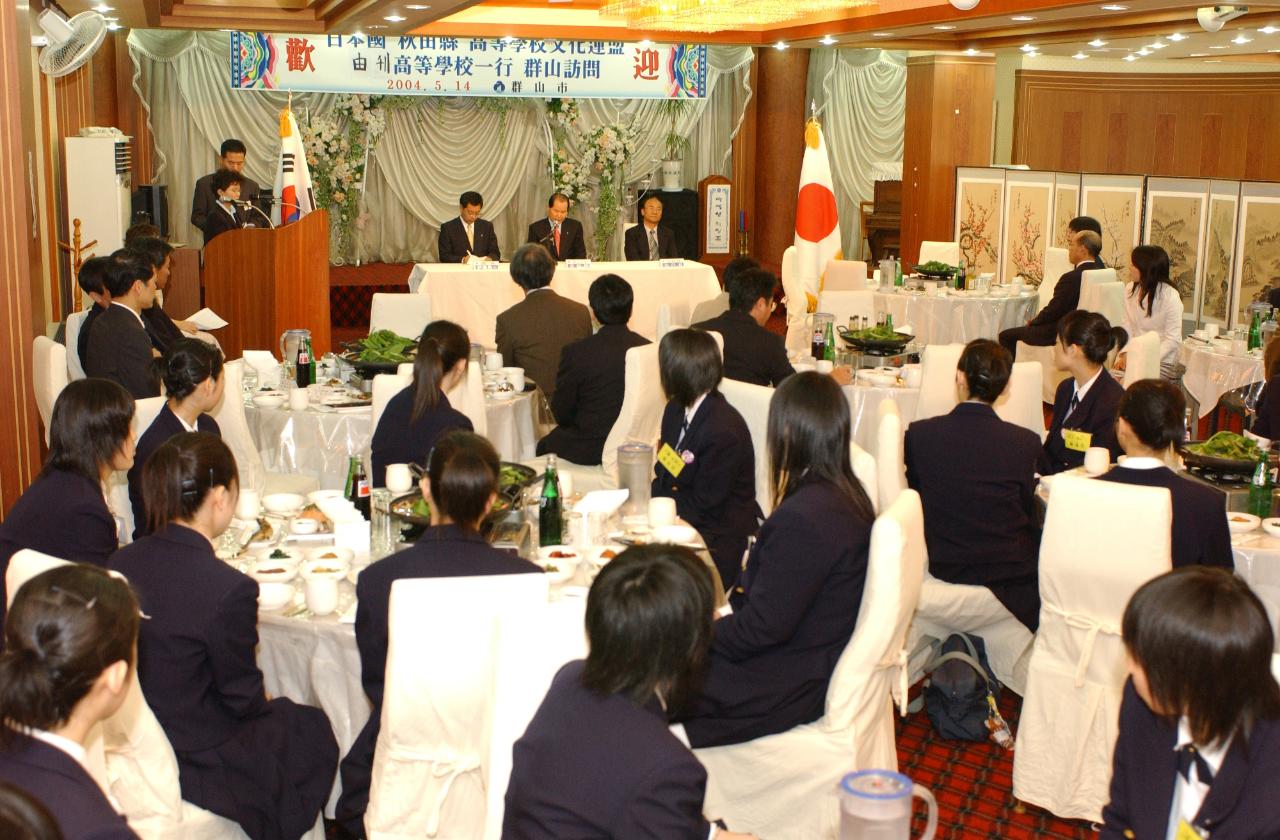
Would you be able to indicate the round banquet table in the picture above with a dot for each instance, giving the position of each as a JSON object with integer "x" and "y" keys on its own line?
{"x": 319, "y": 443}
{"x": 1211, "y": 372}
{"x": 1257, "y": 557}
{"x": 864, "y": 403}
{"x": 957, "y": 318}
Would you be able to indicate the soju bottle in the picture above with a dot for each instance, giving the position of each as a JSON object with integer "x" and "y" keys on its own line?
{"x": 1260, "y": 487}
{"x": 550, "y": 507}
{"x": 829, "y": 349}
{"x": 1255, "y": 331}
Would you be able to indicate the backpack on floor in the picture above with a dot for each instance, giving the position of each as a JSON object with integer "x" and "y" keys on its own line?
{"x": 961, "y": 693}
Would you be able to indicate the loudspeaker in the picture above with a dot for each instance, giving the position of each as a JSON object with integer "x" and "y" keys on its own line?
{"x": 151, "y": 205}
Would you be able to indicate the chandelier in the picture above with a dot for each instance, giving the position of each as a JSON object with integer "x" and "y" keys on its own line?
{"x": 717, "y": 15}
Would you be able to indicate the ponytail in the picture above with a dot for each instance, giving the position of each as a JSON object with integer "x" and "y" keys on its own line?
{"x": 442, "y": 345}
{"x": 64, "y": 628}
{"x": 178, "y": 476}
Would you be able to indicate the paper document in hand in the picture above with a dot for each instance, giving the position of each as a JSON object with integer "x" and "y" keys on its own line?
{"x": 206, "y": 319}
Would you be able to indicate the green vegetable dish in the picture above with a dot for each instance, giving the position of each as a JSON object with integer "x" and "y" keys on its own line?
{"x": 880, "y": 333}
{"x": 1227, "y": 445}
{"x": 936, "y": 267}
{"x": 385, "y": 346}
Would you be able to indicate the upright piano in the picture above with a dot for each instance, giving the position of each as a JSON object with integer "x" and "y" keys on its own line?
{"x": 885, "y": 220}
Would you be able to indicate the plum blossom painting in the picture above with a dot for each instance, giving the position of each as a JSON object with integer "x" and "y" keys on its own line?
{"x": 1026, "y": 231}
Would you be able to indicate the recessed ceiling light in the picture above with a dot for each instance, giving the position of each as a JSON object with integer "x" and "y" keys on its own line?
{"x": 881, "y": 34}
{"x": 1097, "y": 42}
{"x": 828, "y": 40}
{"x": 1114, "y": 7}
{"x": 103, "y": 7}
{"x": 1026, "y": 48}
{"x": 376, "y": 26}
{"x": 417, "y": 7}
{"x": 1198, "y": 55}
{"x": 1217, "y": 47}
{"x": 1130, "y": 57}
{"x": 1079, "y": 55}
{"x": 971, "y": 51}
{"x": 1033, "y": 54}
{"x": 944, "y": 27}
{"x": 1269, "y": 30}
{"x": 1022, "y": 18}
{"x": 1240, "y": 39}
{"x": 1273, "y": 50}
{"x": 1144, "y": 52}
{"x": 1178, "y": 36}
{"x": 111, "y": 18}
{"x": 780, "y": 45}
{"x": 113, "y": 26}
{"x": 1158, "y": 45}
{"x": 393, "y": 18}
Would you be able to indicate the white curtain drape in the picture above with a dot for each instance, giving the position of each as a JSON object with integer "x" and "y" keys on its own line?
{"x": 862, "y": 102}
{"x": 430, "y": 153}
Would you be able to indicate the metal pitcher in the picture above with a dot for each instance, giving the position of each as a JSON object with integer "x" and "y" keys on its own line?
{"x": 290, "y": 340}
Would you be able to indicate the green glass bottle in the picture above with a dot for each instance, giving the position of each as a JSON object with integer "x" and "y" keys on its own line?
{"x": 550, "y": 508}
{"x": 1255, "y": 331}
{"x": 829, "y": 347}
{"x": 1260, "y": 487}
{"x": 960, "y": 275}
{"x": 897, "y": 273}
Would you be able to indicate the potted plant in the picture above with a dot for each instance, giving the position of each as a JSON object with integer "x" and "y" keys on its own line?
{"x": 676, "y": 144}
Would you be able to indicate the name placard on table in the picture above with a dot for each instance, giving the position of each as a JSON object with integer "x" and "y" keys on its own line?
{"x": 671, "y": 263}
{"x": 485, "y": 266}
{"x": 577, "y": 263}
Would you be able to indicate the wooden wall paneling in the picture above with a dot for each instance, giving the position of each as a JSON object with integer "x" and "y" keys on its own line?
{"x": 19, "y": 446}
{"x": 1259, "y": 145}
{"x": 780, "y": 116}
{"x": 1165, "y": 137}
{"x": 1210, "y": 144}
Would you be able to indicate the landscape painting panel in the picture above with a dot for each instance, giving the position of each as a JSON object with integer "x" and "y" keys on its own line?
{"x": 1115, "y": 211}
{"x": 1025, "y": 225}
{"x": 1066, "y": 203}
{"x": 1219, "y": 242}
{"x": 979, "y": 229}
{"x": 1259, "y": 253}
{"x": 1175, "y": 227}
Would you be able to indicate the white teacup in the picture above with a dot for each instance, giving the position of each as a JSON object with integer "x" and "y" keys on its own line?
{"x": 298, "y": 399}
{"x": 801, "y": 367}
{"x": 1200, "y": 334}
{"x": 912, "y": 375}
{"x": 398, "y": 478}
{"x": 492, "y": 361}
{"x": 1211, "y": 331}
{"x": 514, "y": 375}
{"x": 826, "y": 366}
{"x": 248, "y": 505}
{"x": 662, "y": 512}
{"x": 321, "y": 594}
{"x": 1096, "y": 460}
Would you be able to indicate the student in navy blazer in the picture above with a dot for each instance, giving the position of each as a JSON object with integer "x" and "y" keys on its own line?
{"x": 415, "y": 418}
{"x": 1087, "y": 400}
{"x": 192, "y": 372}
{"x": 461, "y": 481}
{"x": 598, "y": 759}
{"x": 975, "y": 474}
{"x": 265, "y": 764}
{"x": 715, "y": 490}
{"x": 1199, "y": 737}
{"x": 796, "y": 605}
{"x": 1149, "y": 427}
{"x": 67, "y": 666}
{"x": 64, "y": 513}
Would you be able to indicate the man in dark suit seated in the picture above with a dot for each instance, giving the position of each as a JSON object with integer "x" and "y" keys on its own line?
{"x": 648, "y": 241}
{"x": 205, "y": 199}
{"x": 751, "y": 352}
{"x": 92, "y": 279}
{"x": 532, "y": 334}
{"x": 468, "y": 235}
{"x": 718, "y": 305}
{"x": 226, "y": 214}
{"x": 589, "y": 385}
{"x": 119, "y": 348}
{"x": 558, "y": 233}
{"x": 1083, "y": 249}
{"x": 164, "y": 331}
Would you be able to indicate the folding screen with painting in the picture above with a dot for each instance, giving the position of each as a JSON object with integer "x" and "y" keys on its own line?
{"x": 1175, "y": 220}
{"x": 1116, "y": 202}
{"x": 1257, "y": 265}
{"x": 1028, "y": 215}
{"x": 979, "y": 201}
{"x": 1066, "y": 205}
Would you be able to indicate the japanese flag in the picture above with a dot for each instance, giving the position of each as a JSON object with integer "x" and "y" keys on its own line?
{"x": 817, "y": 225}
{"x": 293, "y": 179}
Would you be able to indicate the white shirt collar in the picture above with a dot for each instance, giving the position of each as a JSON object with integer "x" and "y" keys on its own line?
{"x": 648, "y": 227}
{"x": 465, "y": 223}
{"x": 1189, "y": 794}
{"x": 1081, "y": 391}
{"x": 193, "y": 427}
{"x": 1136, "y": 462}
{"x": 130, "y": 310}
{"x": 692, "y": 411}
{"x": 67, "y": 745}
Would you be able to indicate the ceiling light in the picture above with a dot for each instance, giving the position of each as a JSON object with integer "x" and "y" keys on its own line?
{"x": 1269, "y": 30}
{"x": 1217, "y": 47}
{"x": 1144, "y": 52}
{"x": 828, "y": 40}
{"x": 1033, "y": 54}
{"x": 781, "y": 45}
{"x": 376, "y": 26}
{"x": 417, "y": 7}
{"x": 881, "y": 34}
{"x": 1240, "y": 39}
{"x": 113, "y": 26}
{"x": 963, "y": 5}
{"x": 103, "y": 7}
{"x": 1022, "y": 18}
{"x": 1158, "y": 45}
{"x": 971, "y": 51}
{"x": 393, "y": 18}
{"x": 944, "y": 27}
{"x": 1097, "y": 42}
{"x": 111, "y": 18}
{"x": 1026, "y": 48}
{"x": 1177, "y": 36}
{"x": 1130, "y": 57}
{"x": 1198, "y": 55}
{"x": 1114, "y": 7}
{"x": 1079, "y": 55}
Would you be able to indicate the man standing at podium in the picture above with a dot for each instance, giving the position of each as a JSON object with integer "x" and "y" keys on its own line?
{"x": 647, "y": 241}
{"x": 557, "y": 233}
{"x": 205, "y": 198}
{"x": 468, "y": 235}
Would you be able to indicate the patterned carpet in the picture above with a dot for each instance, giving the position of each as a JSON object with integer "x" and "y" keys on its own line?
{"x": 973, "y": 784}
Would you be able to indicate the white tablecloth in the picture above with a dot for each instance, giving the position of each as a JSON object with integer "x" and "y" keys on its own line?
{"x": 956, "y": 319}
{"x": 319, "y": 444}
{"x": 1258, "y": 562}
{"x": 864, "y": 402}
{"x": 1211, "y": 373}
{"x": 474, "y": 297}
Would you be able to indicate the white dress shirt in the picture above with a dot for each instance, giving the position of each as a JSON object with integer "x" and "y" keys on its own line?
{"x": 1189, "y": 794}
{"x": 1165, "y": 318}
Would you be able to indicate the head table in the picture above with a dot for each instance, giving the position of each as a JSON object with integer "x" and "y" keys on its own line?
{"x": 474, "y": 295}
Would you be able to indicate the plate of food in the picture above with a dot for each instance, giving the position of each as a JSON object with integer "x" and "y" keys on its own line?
{"x": 1241, "y": 523}
{"x": 1224, "y": 452}
{"x": 935, "y": 268}
{"x": 875, "y": 338}
{"x": 382, "y": 351}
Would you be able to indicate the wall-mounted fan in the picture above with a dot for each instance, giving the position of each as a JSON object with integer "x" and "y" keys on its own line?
{"x": 72, "y": 40}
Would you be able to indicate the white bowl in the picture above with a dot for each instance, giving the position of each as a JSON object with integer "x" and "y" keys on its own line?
{"x": 268, "y": 400}
{"x": 335, "y": 508}
{"x": 571, "y": 559}
{"x": 283, "y": 503}
{"x": 331, "y": 552}
{"x": 1272, "y": 526}
{"x": 304, "y": 525}
{"x": 883, "y": 380}
{"x": 273, "y": 571}
{"x": 274, "y": 596}
{"x": 318, "y": 567}
{"x": 677, "y": 534}
{"x": 292, "y": 556}
{"x": 600, "y": 557}
{"x": 316, "y": 495}
{"x": 866, "y": 373}
{"x": 1241, "y": 523}
{"x": 563, "y": 571}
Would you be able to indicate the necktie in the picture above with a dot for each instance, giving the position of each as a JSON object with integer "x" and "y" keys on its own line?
{"x": 1075, "y": 403}
{"x": 470, "y": 238}
{"x": 653, "y": 244}
{"x": 555, "y": 234}
{"x": 684, "y": 428}
{"x": 1189, "y": 755}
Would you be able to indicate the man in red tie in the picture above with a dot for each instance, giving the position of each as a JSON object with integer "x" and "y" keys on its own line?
{"x": 558, "y": 233}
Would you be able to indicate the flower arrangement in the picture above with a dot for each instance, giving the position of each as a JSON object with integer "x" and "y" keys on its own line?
{"x": 569, "y": 177}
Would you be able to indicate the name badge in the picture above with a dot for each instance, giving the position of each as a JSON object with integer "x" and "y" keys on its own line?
{"x": 577, "y": 263}
{"x": 1076, "y": 441}
{"x": 477, "y": 265}
{"x": 1187, "y": 832}
{"x": 670, "y": 459}
{"x": 671, "y": 263}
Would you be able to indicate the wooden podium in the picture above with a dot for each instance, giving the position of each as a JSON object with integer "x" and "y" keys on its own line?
{"x": 264, "y": 281}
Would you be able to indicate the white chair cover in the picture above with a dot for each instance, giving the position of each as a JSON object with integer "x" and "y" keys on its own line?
{"x": 664, "y": 320}
{"x": 752, "y": 402}
{"x": 784, "y": 786}
{"x": 891, "y": 475}
{"x": 468, "y": 397}
{"x": 1022, "y": 401}
{"x": 938, "y": 380}
{"x": 405, "y": 369}
{"x": 1089, "y": 279}
{"x": 844, "y": 276}
{"x": 386, "y": 386}
{"x": 144, "y": 413}
{"x": 864, "y": 469}
{"x": 49, "y": 375}
{"x": 947, "y": 252}
{"x": 1067, "y": 733}
{"x": 1107, "y": 299}
{"x": 429, "y": 770}
{"x": 1142, "y": 358}
{"x": 1050, "y": 375}
{"x": 1056, "y": 264}
{"x": 404, "y": 314}
{"x": 229, "y": 412}
{"x": 75, "y": 368}
{"x": 844, "y": 304}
